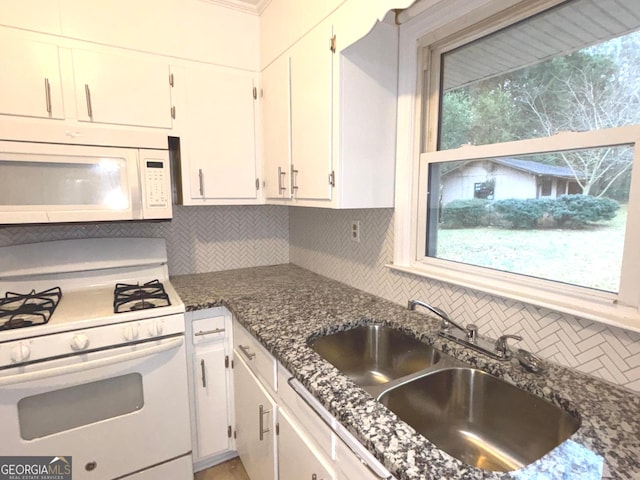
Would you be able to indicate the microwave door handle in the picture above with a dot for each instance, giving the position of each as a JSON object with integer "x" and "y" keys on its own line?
{"x": 81, "y": 367}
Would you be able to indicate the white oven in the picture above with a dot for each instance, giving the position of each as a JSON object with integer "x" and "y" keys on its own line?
{"x": 114, "y": 411}
{"x": 99, "y": 382}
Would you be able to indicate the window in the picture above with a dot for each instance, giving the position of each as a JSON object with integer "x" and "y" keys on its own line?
{"x": 526, "y": 178}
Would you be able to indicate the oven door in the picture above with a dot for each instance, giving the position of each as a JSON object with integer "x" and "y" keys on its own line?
{"x": 114, "y": 412}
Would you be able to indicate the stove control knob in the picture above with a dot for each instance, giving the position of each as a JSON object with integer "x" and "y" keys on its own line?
{"x": 20, "y": 353}
{"x": 79, "y": 342}
{"x": 155, "y": 328}
{"x": 130, "y": 332}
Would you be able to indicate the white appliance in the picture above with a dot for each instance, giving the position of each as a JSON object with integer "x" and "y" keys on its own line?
{"x": 90, "y": 375}
{"x": 44, "y": 182}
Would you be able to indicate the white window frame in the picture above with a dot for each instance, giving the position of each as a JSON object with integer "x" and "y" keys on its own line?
{"x": 417, "y": 146}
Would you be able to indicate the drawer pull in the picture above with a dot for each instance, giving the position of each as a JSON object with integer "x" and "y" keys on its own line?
{"x": 204, "y": 375}
{"x": 209, "y": 332}
{"x": 47, "y": 94}
{"x": 244, "y": 349}
{"x": 261, "y": 413}
{"x": 281, "y": 187}
{"x": 87, "y": 94}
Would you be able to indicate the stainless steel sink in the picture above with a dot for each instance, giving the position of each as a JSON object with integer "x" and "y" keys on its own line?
{"x": 480, "y": 419}
{"x": 375, "y": 354}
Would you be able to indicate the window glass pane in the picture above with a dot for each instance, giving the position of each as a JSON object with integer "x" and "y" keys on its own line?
{"x": 559, "y": 216}
{"x": 523, "y": 82}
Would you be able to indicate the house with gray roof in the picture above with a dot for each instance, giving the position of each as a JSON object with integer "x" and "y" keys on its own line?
{"x": 503, "y": 178}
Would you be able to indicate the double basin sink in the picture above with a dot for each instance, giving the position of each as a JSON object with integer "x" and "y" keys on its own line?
{"x": 477, "y": 418}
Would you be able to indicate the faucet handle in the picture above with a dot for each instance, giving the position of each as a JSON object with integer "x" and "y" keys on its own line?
{"x": 502, "y": 348}
{"x": 472, "y": 333}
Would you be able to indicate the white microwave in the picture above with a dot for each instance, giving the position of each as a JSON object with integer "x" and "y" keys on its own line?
{"x": 45, "y": 183}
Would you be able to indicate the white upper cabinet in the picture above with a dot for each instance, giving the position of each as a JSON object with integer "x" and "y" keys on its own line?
{"x": 276, "y": 153}
{"x": 217, "y": 136}
{"x": 311, "y": 114}
{"x": 342, "y": 101}
{"x": 118, "y": 89}
{"x": 30, "y": 83}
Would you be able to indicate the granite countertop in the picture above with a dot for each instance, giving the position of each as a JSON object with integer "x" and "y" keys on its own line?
{"x": 284, "y": 305}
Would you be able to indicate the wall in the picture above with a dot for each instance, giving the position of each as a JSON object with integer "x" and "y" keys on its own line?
{"x": 319, "y": 241}
{"x": 199, "y": 239}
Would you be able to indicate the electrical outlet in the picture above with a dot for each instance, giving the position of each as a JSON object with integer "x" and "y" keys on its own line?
{"x": 355, "y": 230}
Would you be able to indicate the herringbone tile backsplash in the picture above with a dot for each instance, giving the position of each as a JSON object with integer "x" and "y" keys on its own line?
{"x": 203, "y": 239}
{"x": 320, "y": 241}
{"x": 199, "y": 239}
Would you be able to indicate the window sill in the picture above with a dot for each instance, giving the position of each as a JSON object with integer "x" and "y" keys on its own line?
{"x": 596, "y": 306}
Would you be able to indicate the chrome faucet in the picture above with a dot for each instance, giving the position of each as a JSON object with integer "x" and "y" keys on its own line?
{"x": 468, "y": 335}
{"x": 502, "y": 348}
{"x": 446, "y": 320}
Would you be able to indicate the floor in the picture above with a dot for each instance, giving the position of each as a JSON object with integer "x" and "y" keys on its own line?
{"x": 229, "y": 470}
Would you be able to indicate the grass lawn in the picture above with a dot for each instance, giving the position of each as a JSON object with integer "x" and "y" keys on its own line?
{"x": 590, "y": 257}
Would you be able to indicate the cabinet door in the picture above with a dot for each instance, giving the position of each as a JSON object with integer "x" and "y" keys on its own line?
{"x": 121, "y": 89}
{"x": 30, "y": 82}
{"x": 211, "y": 397}
{"x": 275, "y": 128}
{"x": 255, "y": 425}
{"x": 219, "y": 138}
{"x": 298, "y": 457}
{"x": 311, "y": 114}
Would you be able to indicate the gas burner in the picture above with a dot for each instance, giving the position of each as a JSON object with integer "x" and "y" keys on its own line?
{"x": 19, "y": 310}
{"x": 131, "y": 297}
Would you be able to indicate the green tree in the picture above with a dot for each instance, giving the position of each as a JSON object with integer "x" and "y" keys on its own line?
{"x": 593, "y": 88}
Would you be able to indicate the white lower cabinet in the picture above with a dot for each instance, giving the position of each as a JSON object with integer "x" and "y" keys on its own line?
{"x": 282, "y": 431}
{"x": 211, "y": 401}
{"x": 255, "y": 424}
{"x": 298, "y": 458}
{"x": 210, "y": 386}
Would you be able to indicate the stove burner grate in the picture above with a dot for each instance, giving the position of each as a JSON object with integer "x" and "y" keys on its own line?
{"x": 130, "y": 297}
{"x": 19, "y": 310}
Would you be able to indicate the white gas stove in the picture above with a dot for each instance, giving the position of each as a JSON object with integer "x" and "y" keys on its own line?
{"x": 92, "y": 335}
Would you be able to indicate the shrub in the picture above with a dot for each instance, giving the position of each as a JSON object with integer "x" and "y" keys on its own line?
{"x": 520, "y": 213}
{"x": 465, "y": 213}
{"x": 577, "y": 211}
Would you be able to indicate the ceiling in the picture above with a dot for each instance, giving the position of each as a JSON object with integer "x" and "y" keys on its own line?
{"x": 251, "y": 6}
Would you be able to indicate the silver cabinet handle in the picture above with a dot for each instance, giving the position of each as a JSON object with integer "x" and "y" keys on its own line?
{"x": 204, "y": 375}
{"x": 208, "y": 332}
{"x": 201, "y": 179}
{"x": 281, "y": 187}
{"x": 294, "y": 178}
{"x": 87, "y": 94}
{"x": 47, "y": 94}
{"x": 261, "y": 412}
{"x": 244, "y": 349}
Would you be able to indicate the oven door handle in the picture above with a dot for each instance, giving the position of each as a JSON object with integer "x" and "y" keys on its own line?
{"x": 81, "y": 367}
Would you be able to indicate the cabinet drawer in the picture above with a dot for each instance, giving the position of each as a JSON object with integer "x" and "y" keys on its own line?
{"x": 207, "y": 329}
{"x": 259, "y": 360}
